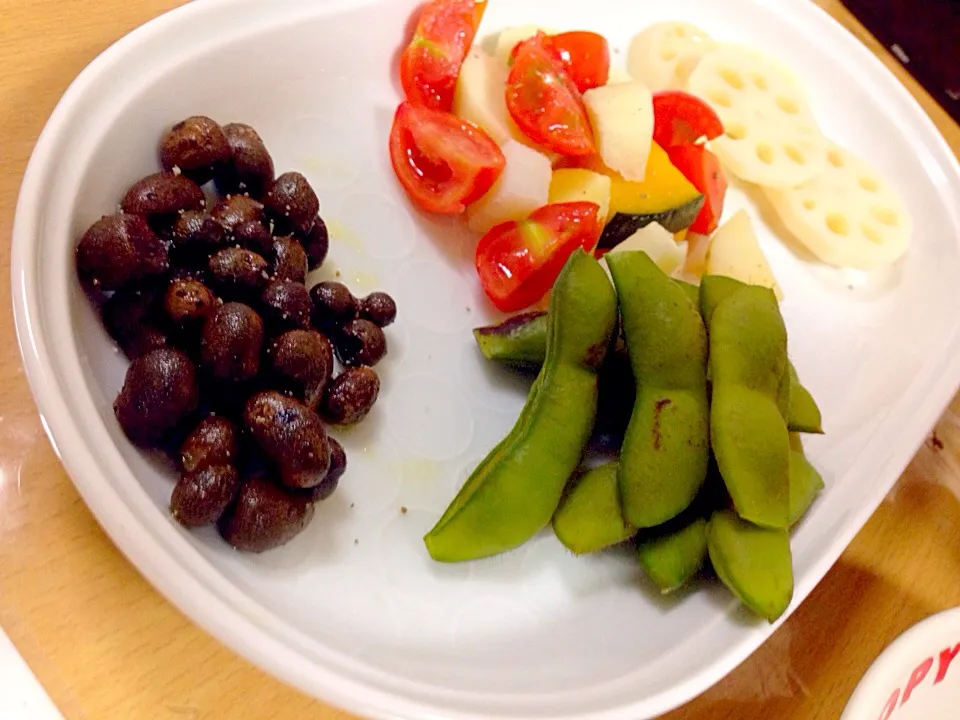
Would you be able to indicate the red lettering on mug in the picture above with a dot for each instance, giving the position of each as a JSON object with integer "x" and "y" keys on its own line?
{"x": 916, "y": 677}
{"x": 946, "y": 657}
{"x": 890, "y": 706}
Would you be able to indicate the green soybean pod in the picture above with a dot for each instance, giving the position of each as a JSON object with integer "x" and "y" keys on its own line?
{"x": 795, "y": 400}
{"x": 755, "y": 563}
{"x": 663, "y": 459}
{"x": 514, "y": 492}
{"x": 672, "y": 558}
{"x": 804, "y": 415}
{"x": 805, "y": 482}
{"x": 519, "y": 340}
{"x": 589, "y": 517}
{"x": 748, "y": 359}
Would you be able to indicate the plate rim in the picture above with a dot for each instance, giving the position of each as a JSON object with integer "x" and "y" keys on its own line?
{"x": 237, "y": 627}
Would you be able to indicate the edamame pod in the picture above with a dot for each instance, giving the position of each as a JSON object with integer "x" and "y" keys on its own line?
{"x": 692, "y": 291}
{"x": 589, "y": 516}
{"x": 794, "y": 399}
{"x": 754, "y": 562}
{"x": 520, "y": 340}
{"x": 663, "y": 459}
{"x": 805, "y": 481}
{"x": 748, "y": 359}
{"x": 515, "y": 490}
{"x": 671, "y": 559}
{"x": 804, "y": 413}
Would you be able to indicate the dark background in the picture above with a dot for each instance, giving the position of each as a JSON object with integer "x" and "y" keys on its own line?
{"x": 924, "y": 35}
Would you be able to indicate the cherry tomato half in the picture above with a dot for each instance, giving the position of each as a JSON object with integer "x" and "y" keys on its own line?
{"x": 701, "y": 167}
{"x": 585, "y": 57}
{"x": 519, "y": 261}
{"x": 680, "y": 118}
{"x": 430, "y": 64}
{"x": 544, "y": 101}
{"x": 444, "y": 163}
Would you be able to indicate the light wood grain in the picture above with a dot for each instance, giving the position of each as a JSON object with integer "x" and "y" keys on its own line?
{"x": 108, "y": 647}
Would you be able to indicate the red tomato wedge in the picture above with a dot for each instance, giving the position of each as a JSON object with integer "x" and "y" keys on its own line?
{"x": 545, "y": 102}
{"x": 444, "y": 163}
{"x": 430, "y": 64}
{"x": 680, "y": 118}
{"x": 519, "y": 261}
{"x": 701, "y": 167}
{"x": 585, "y": 57}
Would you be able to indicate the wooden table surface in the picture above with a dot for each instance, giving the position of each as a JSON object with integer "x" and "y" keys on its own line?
{"x": 107, "y": 646}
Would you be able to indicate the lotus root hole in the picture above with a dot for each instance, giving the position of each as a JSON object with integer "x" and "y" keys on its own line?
{"x": 732, "y": 78}
{"x": 736, "y": 131}
{"x": 886, "y": 216}
{"x": 765, "y": 154}
{"x": 837, "y": 224}
{"x": 795, "y": 154}
{"x": 788, "y": 105}
{"x": 719, "y": 97}
{"x": 871, "y": 233}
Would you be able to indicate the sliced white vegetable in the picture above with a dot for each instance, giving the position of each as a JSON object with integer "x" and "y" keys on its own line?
{"x": 656, "y": 242}
{"x": 734, "y": 252}
{"x": 622, "y": 119}
{"x": 695, "y": 263}
{"x": 618, "y": 75}
{"x": 576, "y": 185}
{"x": 508, "y": 39}
{"x": 771, "y": 137}
{"x": 848, "y": 215}
{"x": 480, "y": 97}
{"x": 664, "y": 54}
{"x": 523, "y": 187}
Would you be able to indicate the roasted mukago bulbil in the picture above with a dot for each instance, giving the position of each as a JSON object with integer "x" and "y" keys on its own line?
{"x": 232, "y": 354}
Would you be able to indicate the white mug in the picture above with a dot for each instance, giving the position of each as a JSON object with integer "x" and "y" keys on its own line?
{"x": 917, "y": 677}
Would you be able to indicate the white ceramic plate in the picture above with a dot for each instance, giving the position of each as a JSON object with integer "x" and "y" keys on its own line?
{"x": 352, "y": 610}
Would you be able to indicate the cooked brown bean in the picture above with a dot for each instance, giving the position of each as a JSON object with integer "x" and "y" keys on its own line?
{"x": 238, "y": 273}
{"x": 196, "y": 146}
{"x": 250, "y": 168}
{"x": 289, "y": 260}
{"x": 301, "y": 363}
{"x": 117, "y": 250}
{"x": 338, "y": 466}
{"x": 285, "y": 305}
{"x": 292, "y": 203}
{"x": 159, "y": 391}
{"x": 317, "y": 244}
{"x": 233, "y": 210}
{"x": 232, "y": 342}
{"x": 201, "y": 496}
{"x": 162, "y": 195}
{"x": 131, "y": 318}
{"x": 291, "y": 435}
{"x": 214, "y": 441}
{"x": 265, "y": 516}
{"x": 333, "y": 304}
{"x": 254, "y": 236}
{"x": 195, "y": 235}
{"x": 379, "y": 308}
{"x": 360, "y": 342}
{"x": 188, "y": 301}
{"x": 350, "y": 395}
